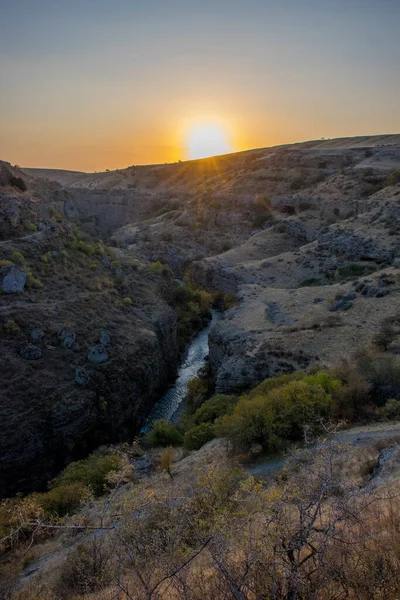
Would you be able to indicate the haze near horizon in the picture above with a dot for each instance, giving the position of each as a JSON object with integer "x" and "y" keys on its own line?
{"x": 96, "y": 85}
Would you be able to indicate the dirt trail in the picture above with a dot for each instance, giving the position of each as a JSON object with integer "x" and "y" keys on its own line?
{"x": 25, "y": 237}
{"x": 267, "y": 467}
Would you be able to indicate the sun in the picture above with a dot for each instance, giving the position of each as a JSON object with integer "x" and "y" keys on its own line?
{"x": 207, "y": 139}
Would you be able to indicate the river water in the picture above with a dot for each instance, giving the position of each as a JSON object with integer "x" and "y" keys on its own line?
{"x": 171, "y": 404}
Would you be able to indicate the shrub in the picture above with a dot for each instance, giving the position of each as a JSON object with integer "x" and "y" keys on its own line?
{"x": 18, "y": 182}
{"x": 197, "y": 436}
{"x": 353, "y": 395}
{"x": 91, "y": 472}
{"x": 46, "y": 257}
{"x": 166, "y": 459}
{"x": 160, "y": 268}
{"x": 54, "y": 214}
{"x": 33, "y": 281}
{"x": 393, "y": 178}
{"x": 280, "y": 228}
{"x": 86, "y": 248}
{"x": 62, "y": 500}
{"x": 390, "y": 410}
{"x": 270, "y": 384}
{"x": 193, "y": 310}
{"x": 215, "y": 407}
{"x": 250, "y": 423}
{"x": 355, "y": 270}
{"x": 164, "y": 433}
{"x": 223, "y": 301}
{"x": 5, "y": 263}
{"x": 383, "y": 373}
{"x": 11, "y": 328}
{"x": 305, "y": 206}
{"x": 87, "y": 569}
{"x": 384, "y": 337}
{"x": 281, "y": 414}
{"x": 261, "y": 218}
{"x": 17, "y": 257}
{"x": 312, "y": 281}
{"x": 127, "y": 300}
{"x": 198, "y": 390}
{"x": 298, "y": 182}
{"x": 31, "y": 227}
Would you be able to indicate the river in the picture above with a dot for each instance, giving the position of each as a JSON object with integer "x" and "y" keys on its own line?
{"x": 171, "y": 404}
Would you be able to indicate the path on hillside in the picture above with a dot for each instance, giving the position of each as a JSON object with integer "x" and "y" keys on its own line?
{"x": 24, "y": 237}
{"x": 268, "y": 466}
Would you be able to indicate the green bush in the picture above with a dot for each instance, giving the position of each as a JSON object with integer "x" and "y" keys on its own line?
{"x": 17, "y": 257}
{"x": 250, "y": 423}
{"x": 31, "y": 227}
{"x": 86, "y": 248}
{"x": 270, "y": 384}
{"x": 164, "y": 433}
{"x": 160, "y": 268}
{"x": 5, "y": 263}
{"x": 54, "y": 214}
{"x": 281, "y": 414}
{"x": 127, "y": 300}
{"x": 215, "y": 407}
{"x": 198, "y": 391}
{"x": 63, "y": 499}
{"x": 199, "y": 435}
{"x": 91, "y": 472}
{"x": 46, "y": 257}
{"x": 33, "y": 281}
{"x": 390, "y": 410}
{"x": 393, "y": 178}
{"x": 193, "y": 311}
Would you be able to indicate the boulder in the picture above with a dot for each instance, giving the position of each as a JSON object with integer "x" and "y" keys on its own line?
{"x": 98, "y": 354}
{"x": 81, "y": 376}
{"x": 67, "y": 338}
{"x": 340, "y": 304}
{"x": 31, "y": 352}
{"x": 105, "y": 338}
{"x": 37, "y": 334}
{"x": 13, "y": 279}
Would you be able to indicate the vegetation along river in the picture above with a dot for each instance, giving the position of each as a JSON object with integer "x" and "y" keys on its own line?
{"x": 169, "y": 406}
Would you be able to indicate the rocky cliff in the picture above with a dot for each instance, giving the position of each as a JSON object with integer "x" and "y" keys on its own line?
{"x": 87, "y": 337}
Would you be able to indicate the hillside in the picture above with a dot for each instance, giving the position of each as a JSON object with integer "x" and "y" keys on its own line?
{"x": 300, "y": 245}
{"x": 88, "y": 341}
{"x": 289, "y": 230}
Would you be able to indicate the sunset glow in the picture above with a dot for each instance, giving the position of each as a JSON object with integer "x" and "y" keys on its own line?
{"x": 139, "y": 83}
{"x": 207, "y": 139}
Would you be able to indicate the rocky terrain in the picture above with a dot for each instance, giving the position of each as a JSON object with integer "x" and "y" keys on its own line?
{"x": 306, "y": 236}
{"x": 88, "y": 339}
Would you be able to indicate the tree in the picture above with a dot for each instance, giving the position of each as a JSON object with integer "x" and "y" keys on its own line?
{"x": 166, "y": 460}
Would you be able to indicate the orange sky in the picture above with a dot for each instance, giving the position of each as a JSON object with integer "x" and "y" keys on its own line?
{"x": 96, "y": 85}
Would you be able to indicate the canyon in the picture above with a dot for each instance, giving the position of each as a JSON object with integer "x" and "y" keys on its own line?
{"x": 305, "y": 237}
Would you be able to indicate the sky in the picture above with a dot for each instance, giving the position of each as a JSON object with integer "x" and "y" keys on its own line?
{"x": 94, "y": 84}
